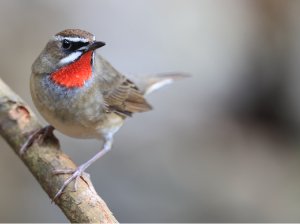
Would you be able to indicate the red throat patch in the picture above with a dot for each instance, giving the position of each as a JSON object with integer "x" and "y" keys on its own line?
{"x": 74, "y": 74}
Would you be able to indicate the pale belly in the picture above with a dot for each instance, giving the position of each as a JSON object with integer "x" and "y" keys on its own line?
{"x": 80, "y": 117}
{"x": 99, "y": 130}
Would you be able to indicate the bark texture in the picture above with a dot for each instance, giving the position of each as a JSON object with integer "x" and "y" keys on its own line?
{"x": 83, "y": 206}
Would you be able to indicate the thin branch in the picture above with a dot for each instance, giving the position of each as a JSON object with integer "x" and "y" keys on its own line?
{"x": 83, "y": 206}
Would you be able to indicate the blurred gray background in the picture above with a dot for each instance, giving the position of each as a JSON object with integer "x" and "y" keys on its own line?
{"x": 221, "y": 146}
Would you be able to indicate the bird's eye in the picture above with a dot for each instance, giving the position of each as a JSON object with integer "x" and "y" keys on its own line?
{"x": 66, "y": 44}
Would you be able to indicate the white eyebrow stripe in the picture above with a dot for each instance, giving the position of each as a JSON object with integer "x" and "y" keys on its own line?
{"x": 73, "y": 39}
{"x": 70, "y": 58}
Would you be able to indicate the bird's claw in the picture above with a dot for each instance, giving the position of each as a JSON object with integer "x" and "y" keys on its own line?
{"x": 76, "y": 174}
{"x": 39, "y": 134}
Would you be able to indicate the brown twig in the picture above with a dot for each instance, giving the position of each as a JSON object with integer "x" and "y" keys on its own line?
{"x": 85, "y": 205}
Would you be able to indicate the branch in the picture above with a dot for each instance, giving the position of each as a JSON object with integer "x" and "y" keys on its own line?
{"x": 83, "y": 206}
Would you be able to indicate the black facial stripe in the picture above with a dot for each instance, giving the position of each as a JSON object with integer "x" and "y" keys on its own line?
{"x": 75, "y": 46}
{"x": 92, "y": 60}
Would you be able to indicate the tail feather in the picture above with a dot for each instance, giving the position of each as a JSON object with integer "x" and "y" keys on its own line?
{"x": 150, "y": 83}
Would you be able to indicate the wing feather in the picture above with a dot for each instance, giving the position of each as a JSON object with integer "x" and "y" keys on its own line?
{"x": 120, "y": 94}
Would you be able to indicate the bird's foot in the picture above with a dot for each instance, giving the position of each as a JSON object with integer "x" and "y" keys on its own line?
{"x": 76, "y": 174}
{"x": 39, "y": 134}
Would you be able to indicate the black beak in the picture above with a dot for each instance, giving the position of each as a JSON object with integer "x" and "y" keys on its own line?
{"x": 95, "y": 45}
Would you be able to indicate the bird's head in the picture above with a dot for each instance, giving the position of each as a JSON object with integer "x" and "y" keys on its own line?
{"x": 67, "y": 55}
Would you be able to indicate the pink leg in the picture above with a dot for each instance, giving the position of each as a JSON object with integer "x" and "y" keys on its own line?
{"x": 77, "y": 173}
{"x": 39, "y": 134}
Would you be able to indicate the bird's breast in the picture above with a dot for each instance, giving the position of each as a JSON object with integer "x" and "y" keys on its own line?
{"x": 74, "y": 74}
{"x": 76, "y": 112}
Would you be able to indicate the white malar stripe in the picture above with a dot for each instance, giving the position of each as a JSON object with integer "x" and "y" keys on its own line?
{"x": 73, "y": 39}
{"x": 70, "y": 58}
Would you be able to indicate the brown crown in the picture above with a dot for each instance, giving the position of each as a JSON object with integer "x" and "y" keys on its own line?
{"x": 76, "y": 33}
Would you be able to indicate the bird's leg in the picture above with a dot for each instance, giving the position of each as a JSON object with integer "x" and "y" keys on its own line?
{"x": 77, "y": 173}
{"x": 39, "y": 134}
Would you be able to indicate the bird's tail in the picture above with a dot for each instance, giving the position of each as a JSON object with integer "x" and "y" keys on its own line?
{"x": 150, "y": 83}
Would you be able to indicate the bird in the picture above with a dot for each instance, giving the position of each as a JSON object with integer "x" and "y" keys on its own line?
{"x": 84, "y": 97}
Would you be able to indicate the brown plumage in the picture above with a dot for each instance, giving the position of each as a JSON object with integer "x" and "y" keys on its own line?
{"x": 76, "y": 33}
{"x": 94, "y": 107}
{"x": 125, "y": 98}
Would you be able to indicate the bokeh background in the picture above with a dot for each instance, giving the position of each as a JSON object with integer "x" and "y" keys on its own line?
{"x": 221, "y": 146}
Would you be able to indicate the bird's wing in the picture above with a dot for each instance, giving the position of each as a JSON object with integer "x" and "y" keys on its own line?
{"x": 120, "y": 94}
{"x": 125, "y": 98}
